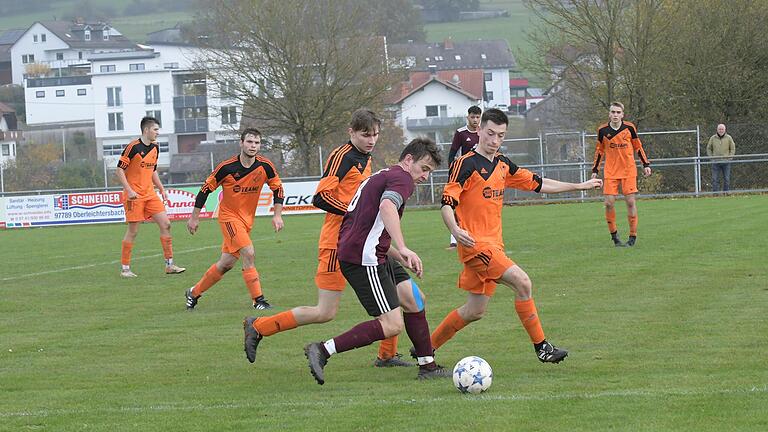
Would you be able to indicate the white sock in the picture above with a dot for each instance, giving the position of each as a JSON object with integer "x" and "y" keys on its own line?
{"x": 169, "y": 262}
{"x": 425, "y": 360}
{"x": 330, "y": 346}
{"x": 126, "y": 267}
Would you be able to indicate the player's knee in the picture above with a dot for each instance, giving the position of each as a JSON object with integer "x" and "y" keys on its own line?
{"x": 325, "y": 314}
{"x": 474, "y": 315}
{"x": 225, "y": 267}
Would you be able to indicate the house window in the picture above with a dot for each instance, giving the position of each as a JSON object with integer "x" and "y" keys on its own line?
{"x": 227, "y": 89}
{"x": 483, "y": 56}
{"x": 81, "y": 92}
{"x": 80, "y": 55}
{"x": 59, "y": 56}
{"x": 489, "y": 95}
{"x": 87, "y": 35}
{"x": 115, "y": 121}
{"x": 114, "y": 96}
{"x": 457, "y": 57}
{"x": 157, "y": 114}
{"x": 170, "y": 65}
{"x": 487, "y": 76}
{"x": 136, "y": 67}
{"x": 107, "y": 68}
{"x": 106, "y": 35}
{"x": 6, "y": 149}
{"x": 59, "y": 93}
{"x": 443, "y": 110}
{"x": 40, "y": 94}
{"x": 28, "y": 58}
{"x": 34, "y": 38}
{"x": 42, "y": 37}
{"x": 432, "y": 110}
{"x": 228, "y": 115}
{"x": 152, "y": 94}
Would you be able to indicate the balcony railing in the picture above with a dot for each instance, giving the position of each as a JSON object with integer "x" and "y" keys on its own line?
{"x": 58, "y": 81}
{"x": 190, "y": 101}
{"x": 433, "y": 122}
{"x": 191, "y": 125}
{"x": 13, "y": 135}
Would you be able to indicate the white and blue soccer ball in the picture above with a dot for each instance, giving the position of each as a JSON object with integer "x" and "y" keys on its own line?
{"x": 472, "y": 375}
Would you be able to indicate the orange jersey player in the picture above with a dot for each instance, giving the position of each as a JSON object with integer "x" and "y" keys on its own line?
{"x": 137, "y": 172}
{"x": 617, "y": 144}
{"x": 241, "y": 178}
{"x": 472, "y": 203}
{"x": 346, "y": 168}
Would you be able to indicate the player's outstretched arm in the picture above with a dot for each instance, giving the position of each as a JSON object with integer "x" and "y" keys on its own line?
{"x": 554, "y": 186}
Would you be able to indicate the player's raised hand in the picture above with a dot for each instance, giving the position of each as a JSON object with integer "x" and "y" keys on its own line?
{"x": 412, "y": 261}
{"x": 277, "y": 223}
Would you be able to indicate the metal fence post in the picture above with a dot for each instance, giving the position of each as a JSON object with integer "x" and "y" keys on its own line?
{"x": 106, "y": 182}
{"x": 541, "y": 153}
{"x": 320, "y": 151}
{"x": 582, "y": 168}
{"x": 2, "y": 176}
{"x": 212, "y": 167}
{"x": 697, "y": 166}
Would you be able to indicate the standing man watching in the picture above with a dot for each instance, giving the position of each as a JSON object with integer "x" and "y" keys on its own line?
{"x": 137, "y": 172}
{"x": 464, "y": 139}
{"x": 617, "y": 143}
{"x": 721, "y": 148}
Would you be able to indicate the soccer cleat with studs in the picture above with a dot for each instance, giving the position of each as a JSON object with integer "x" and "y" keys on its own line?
{"x": 260, "y": 303}
{"x": 317, "y": 358}
{"x": 251, "y": 339}
{"x": 616, "y": 241}
{"x": 631, "y": 241}
{"x": 392, "y": 361}
{"x": 435, "y": 372}
{"x": 548, "y": 353}
{"x": 174, "y": 269}
{"x": 191, "y": 299}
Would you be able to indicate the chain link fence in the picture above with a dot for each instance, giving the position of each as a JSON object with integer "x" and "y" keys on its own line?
{"x": 678, "y": 158}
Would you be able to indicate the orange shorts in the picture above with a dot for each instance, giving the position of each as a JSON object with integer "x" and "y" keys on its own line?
{"x": 481, "y": 272}
{"x": 328, "y": 275}
{"x": 628, "y": 186}
{"x": 236, "y": 236}
{"x": 141, "y": 210}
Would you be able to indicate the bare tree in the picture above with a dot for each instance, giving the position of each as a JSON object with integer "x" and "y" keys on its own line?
{"x": 299, "y": 68}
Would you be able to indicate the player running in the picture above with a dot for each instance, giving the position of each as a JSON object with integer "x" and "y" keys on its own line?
{"x": 472, "y": 203}
{"x": 241, "y": 178}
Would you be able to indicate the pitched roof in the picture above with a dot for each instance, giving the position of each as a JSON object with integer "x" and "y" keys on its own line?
{"x": 473, "y": 54}
{"x": 9, "y": 37}
{"x": 73, "y": 35}
{"x": 449, "y": 85}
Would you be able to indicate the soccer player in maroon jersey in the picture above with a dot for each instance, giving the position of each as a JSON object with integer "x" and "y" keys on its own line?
{"x": 472, "y": 203}
{"x": 464, "y": 139}
{"x": 348, "y": 165}
{"x": 137, "y": 172}
{"x": 371, "y": 253}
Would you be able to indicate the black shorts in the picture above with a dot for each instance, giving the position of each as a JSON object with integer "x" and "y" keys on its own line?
{"x": 375, "y": 286}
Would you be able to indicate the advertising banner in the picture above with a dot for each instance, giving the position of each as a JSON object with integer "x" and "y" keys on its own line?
{"x": 298, "y": 199}
{"x": 2, "y": 212}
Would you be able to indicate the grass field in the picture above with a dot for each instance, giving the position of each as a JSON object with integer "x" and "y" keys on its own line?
{"x": 668, "y": 335}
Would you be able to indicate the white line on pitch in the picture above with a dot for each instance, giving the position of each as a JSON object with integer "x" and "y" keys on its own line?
{"x": 349, "y": 402}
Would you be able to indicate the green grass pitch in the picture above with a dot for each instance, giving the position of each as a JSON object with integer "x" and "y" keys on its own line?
{"x": 668, "y": 335}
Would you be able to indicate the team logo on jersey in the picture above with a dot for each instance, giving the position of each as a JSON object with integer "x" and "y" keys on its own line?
{"x": 469, "y": 139}
{"x": 483, "y": 171}
{"x": 148, "y": 165}
{"x": 618, "y": 145}
{"x": 245, "y": 189}
{"x": 494, "y": 194}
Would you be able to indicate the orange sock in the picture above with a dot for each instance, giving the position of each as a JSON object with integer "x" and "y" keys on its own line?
{"x": 267, "y": 326}
{"x": 125, "y": 253}
{"x": 447, "y": 329}
{"x": 388, "y": 348}
{"x": 526, "y": 310}
{"x": 165, "y": 241}
{"x": 251, "y": 278}
{"x": 632, "y": 225}
{"x": 211, "y": 276}
{"x": 610, "y": 217}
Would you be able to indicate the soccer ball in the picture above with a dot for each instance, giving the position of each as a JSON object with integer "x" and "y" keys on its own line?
{"x": 472, "y": 375}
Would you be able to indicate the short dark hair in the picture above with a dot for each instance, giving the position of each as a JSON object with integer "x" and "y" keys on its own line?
{"x": 495, "y": 115}
{"x": 364, "y": 120}
{"x": 474, "y": 109}
{"x": 249, "y": 131}
{"x": 147, "y": 122}
{"x": 420, "y": 147}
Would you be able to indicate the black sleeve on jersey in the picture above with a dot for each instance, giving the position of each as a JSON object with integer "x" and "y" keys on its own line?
{"x": 130, "y": 156}
{"x": 201, "y": 198}
{"x": 321, "y": 202}
{"x": 538, "y": 180}
{"x": 632, "y": 132}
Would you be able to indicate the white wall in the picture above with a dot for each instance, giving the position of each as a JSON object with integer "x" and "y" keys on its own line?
{"x": 59, "y": 109}
{"x": 499, "y": 85}
{"x": 434, "y": 93}
{"x": 43, "y": 51}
